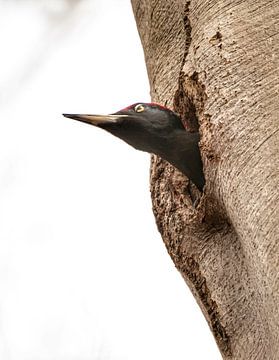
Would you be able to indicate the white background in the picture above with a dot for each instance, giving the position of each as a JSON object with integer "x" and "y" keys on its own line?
{"x": 84, "y": 273}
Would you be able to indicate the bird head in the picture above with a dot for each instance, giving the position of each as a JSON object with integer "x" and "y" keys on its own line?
{"x": 155, "y": 129}
{"x": 145, "y": 126}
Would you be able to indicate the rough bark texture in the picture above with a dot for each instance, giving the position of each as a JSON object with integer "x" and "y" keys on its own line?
{"x": 216, "y": 63}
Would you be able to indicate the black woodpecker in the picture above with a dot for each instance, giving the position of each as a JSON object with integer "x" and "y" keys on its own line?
{"x": 157, "y": 130}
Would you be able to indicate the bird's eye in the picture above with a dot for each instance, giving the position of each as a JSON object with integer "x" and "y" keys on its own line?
{"x": 139, "y": 108}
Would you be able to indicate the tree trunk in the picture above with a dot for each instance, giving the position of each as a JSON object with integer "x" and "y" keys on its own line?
{"x": 216, "y": 63}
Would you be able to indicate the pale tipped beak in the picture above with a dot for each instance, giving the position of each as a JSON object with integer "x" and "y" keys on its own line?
{"x": 96, "y": 119}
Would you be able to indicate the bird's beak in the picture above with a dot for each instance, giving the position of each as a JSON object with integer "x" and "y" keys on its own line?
{"x": 96, "y": 120}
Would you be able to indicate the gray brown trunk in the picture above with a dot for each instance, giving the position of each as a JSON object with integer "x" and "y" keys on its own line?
{"x": 216, "y": 63}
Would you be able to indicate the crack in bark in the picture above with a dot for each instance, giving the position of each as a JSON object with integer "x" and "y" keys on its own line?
{"x": 182, "y": 102}
{"x": 188, "y": 31}
{"x": 184, "y": 105}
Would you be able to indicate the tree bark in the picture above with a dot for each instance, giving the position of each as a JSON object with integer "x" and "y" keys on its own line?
{"x": 216, "y": 63}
